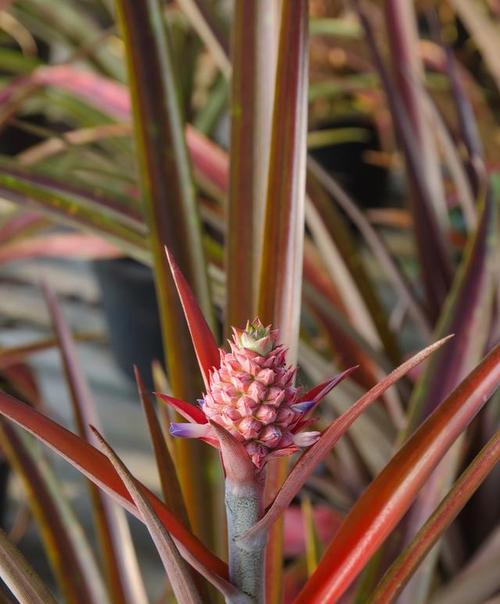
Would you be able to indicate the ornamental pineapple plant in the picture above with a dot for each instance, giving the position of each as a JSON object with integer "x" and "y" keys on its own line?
{"x": 253, "y": 201}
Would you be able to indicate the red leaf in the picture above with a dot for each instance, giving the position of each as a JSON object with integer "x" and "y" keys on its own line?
{"x": 78, "y": 581}
{"x": 208, "y": 159}
{"x": 20, "y": 223}
{"x": 178, "y": 573}
{"x": 390, "y": 495}
{"x": 432, "y": 245}
{"x": 313, "y": 456}
{"x": 468, "y": 313}
{"x": 280, "y": 281}
{"x": 321, "y": 390}
{"x": 315, "y": 395}
{"x": 204, "y": 343}
{"x": 187, "y": 410}
{"x": 409, "y": 560}
{"x": 97, "y": 467}
{"x": 118, "y": 555}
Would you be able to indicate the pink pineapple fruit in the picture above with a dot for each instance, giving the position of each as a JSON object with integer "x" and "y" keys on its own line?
{"x": 252, "y": 395}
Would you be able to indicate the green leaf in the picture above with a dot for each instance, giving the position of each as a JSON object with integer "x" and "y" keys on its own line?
{"x": 77, "y": 207}
{"x": 311, "y": 537}
{"x": 338, "y": 28}
{"x": 202, "y": 17}
{"x": 16, "y": 62}
{"x": 75, "y": 29}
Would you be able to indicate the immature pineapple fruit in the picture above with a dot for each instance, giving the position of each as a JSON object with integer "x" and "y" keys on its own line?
{"x": 251, "y": 394}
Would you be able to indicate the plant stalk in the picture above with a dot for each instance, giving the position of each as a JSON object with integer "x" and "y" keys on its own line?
{"x": 246, "y": 562}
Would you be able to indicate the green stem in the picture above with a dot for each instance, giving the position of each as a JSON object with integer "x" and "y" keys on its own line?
{"x": 246, "y": 563}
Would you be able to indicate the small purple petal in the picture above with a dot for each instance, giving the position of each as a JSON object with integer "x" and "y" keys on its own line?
{"x": 303, "y": 407}
{"x": 185, "y": 430}
{"x": 306, "y": 439}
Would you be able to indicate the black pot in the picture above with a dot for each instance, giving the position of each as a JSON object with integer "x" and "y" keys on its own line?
{"x": 129, "y": 303}
{"x": 365, "y": 182}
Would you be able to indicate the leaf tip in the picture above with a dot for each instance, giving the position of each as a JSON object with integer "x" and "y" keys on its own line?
{"x": 174, "y": 268}
{"x": 442, "y": 341}
{"x": 139, "y": 381}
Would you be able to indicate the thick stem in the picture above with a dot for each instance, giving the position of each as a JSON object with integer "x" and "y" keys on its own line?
{"x": 246, "y": 562}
